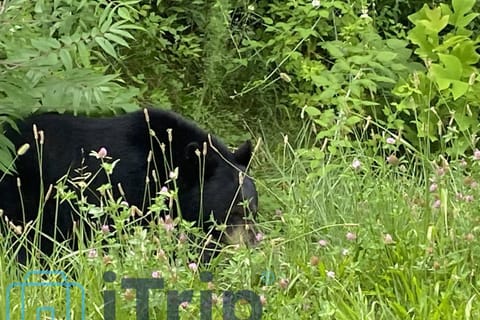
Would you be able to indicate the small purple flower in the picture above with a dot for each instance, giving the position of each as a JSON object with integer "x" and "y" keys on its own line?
{"x": 174, "y": 174}
{"x": 433, "y": 187}
{"x": 468, "y": 198}
{"x": 391, "y": 140}
{"x": 168, "y": 223}
{"x": 182, "y": 238}
{"x": 105, "y": 228}
{"x": 102, "y": 153}
{"x": 193, "y": 266}
{"x": 259, "y": 237}
{"x": 322, "y": 243}
{"x": 351, "y": 236}
{"x": 164, "y": 190}
{"x": 92, "y": 253}
{"x": 184, "y": 304}
{"x": 476, "y": 154}
{"x": 436, "y": 204}
{"x": 156, "y": 274}
{"x": 356, "y": 164}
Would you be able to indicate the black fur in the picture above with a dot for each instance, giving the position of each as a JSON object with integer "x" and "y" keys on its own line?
{"x": 68, "y": 141}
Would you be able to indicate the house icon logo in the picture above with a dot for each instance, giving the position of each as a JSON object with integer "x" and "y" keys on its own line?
{"x": 54, "y": 300}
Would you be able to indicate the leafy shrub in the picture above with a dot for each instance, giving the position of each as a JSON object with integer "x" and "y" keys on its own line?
{"x": 53, "y": 60}
{"x": 439, "y": 104}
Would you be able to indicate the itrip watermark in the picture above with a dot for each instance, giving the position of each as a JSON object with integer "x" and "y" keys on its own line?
{"x": 142, "y": 286}
{"x": 50, "y": 309}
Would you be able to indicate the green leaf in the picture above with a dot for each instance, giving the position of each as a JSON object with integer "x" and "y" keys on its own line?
{"x": 49, "y": 60}
{"x": 451, "y": 70}
{"x": 459, "y": 88}
{"x": 360, "y": 60}
{"x": 436, "y": 22}
{"x": 66, "y": 59}
{"x": 267, "y": 20}
{"x": 106, "y": 13}
{"x": 312, "y": 111}
{"x": 385, "y": 56}
{"x": 116, "y": 39}
{"x": 352, "y": 120}
{"x": 124, "y": 13}
{"x": 122, "y": 25}
{"x": 123, "y": 33}
{"x": 396, "y": 43}
{"x": 449, "y": 74}
{"x": 104, "y": 27}
{"x": 334, "y": 48}
{"x": 464, "y": 121}
{"x": 106, "y": 46}
{"x": 426, "y": 46}
{"x": 460, "y": 9}
{"x": 45, "y": 44}
{"x": 84, "y": 54}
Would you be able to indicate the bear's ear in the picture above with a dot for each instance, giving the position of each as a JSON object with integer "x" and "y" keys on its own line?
{"x": 190, "y": 150}
{"x": 244, "y": 153}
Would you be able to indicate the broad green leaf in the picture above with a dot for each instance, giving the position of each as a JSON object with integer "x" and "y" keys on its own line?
{"x": 436, "y": 22}
{"x": 83, "y": 53}
{"x": 360, "y": 60}
{"x": 45, "y": 44}
{"x": 334, "y": 48}
{"x": 304, "y": 32}
{"x": 464, "y": 21}
{"x": 66, "y": 59}
{"x": 124, "y": 13}
{"x": 312, "y": 111}
{"x": 464, "y": 121}
{"x": 416, "y": 17}
{"x": 466, "y": 53}
{"x": 396, "y": 43}
{"x": 460, "y": 9}
{"x": 425, "y": 45}
{"x": 449, "y": 74}
{"x": 106, "y": 46}
{"x": 444, "y": 75}
{"x": 459, "y": 88}
{"x": 352, "y": 120}
{"x": 267, "y": 20}
{"x": 50, "y": 59}
{"x": 385, "y": 56}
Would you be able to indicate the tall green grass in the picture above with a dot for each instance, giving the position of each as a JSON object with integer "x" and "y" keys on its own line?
{"x": 340, "y": 239}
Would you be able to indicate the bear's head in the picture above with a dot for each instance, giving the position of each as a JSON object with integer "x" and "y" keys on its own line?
{"x": 223, "y": 192}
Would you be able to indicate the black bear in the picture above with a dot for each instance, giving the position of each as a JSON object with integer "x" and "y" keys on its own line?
{"x": 152, "y": 146}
